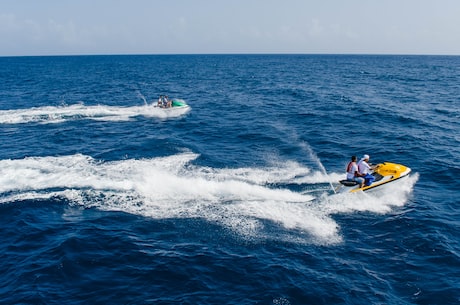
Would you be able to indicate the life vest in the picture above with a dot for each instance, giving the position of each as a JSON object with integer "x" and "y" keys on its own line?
{"x": 349, "y": 167}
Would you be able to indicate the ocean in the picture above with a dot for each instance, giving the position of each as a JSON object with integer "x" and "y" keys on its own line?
{"x": 105, "y": 199}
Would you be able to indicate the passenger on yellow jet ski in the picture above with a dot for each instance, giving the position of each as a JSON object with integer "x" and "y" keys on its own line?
{"x": 353, "y": 172}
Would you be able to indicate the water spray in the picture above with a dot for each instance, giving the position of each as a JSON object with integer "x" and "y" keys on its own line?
{"x": 306, "y": 147}
{"x": 315, "y": 158}
{"x": 139, "y": 94}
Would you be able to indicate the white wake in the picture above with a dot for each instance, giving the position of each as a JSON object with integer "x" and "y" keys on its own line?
{"x": 80, "y": 111}
{"x": 244, "y": 200}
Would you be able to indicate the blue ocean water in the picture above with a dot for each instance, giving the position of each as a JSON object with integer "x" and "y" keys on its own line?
{"x": 105, "y": 199}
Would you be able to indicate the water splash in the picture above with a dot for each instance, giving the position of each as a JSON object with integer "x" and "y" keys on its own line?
{"x": 168, "y": 187}
{"x": 241, "y": 199}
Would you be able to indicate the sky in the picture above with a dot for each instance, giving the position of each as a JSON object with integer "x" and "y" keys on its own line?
{"x": 77, "y": 27}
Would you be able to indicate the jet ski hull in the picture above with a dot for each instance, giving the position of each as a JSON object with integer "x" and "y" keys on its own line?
{"x": 178, "y": 103}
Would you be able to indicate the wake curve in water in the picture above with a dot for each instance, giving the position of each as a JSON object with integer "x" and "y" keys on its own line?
{"x": 242, "y": 199}
{"x": 80, "y": 111}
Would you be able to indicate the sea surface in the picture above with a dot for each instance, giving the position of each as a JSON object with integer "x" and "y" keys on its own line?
{"x": 105, "y": 199}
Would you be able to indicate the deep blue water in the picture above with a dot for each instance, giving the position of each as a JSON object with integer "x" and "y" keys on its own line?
{"x": 107, "y": 200}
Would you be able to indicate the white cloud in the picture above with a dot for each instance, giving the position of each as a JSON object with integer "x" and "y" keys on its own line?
{"x": 315, "y": 28}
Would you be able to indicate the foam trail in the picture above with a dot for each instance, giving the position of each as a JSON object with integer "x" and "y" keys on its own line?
{"x": 169, "y": 187}
{"x": 248, "y": 201}
{"x": 59, "y": 114}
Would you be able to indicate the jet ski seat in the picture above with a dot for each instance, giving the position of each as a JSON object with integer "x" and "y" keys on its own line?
{"x": 348, "y": 182}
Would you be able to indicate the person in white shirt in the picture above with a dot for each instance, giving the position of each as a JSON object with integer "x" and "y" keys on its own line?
{"x": 353, "y": 172}
{"x": 363, "y": 167}
{"x": 160, "y": 101}
{"x": 365, "y": 170}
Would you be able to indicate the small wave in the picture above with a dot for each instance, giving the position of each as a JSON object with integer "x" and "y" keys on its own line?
{"x": 80, "y": 111}
{"x": 449, "y": 112}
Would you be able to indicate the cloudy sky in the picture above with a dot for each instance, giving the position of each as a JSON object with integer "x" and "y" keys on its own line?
{"x": 62, "y": 27}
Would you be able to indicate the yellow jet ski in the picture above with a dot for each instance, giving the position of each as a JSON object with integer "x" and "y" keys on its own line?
{"x": 383, "y": 173}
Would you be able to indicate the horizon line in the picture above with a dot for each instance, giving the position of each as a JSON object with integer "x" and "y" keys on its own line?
{"x": 227, "y": 54}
